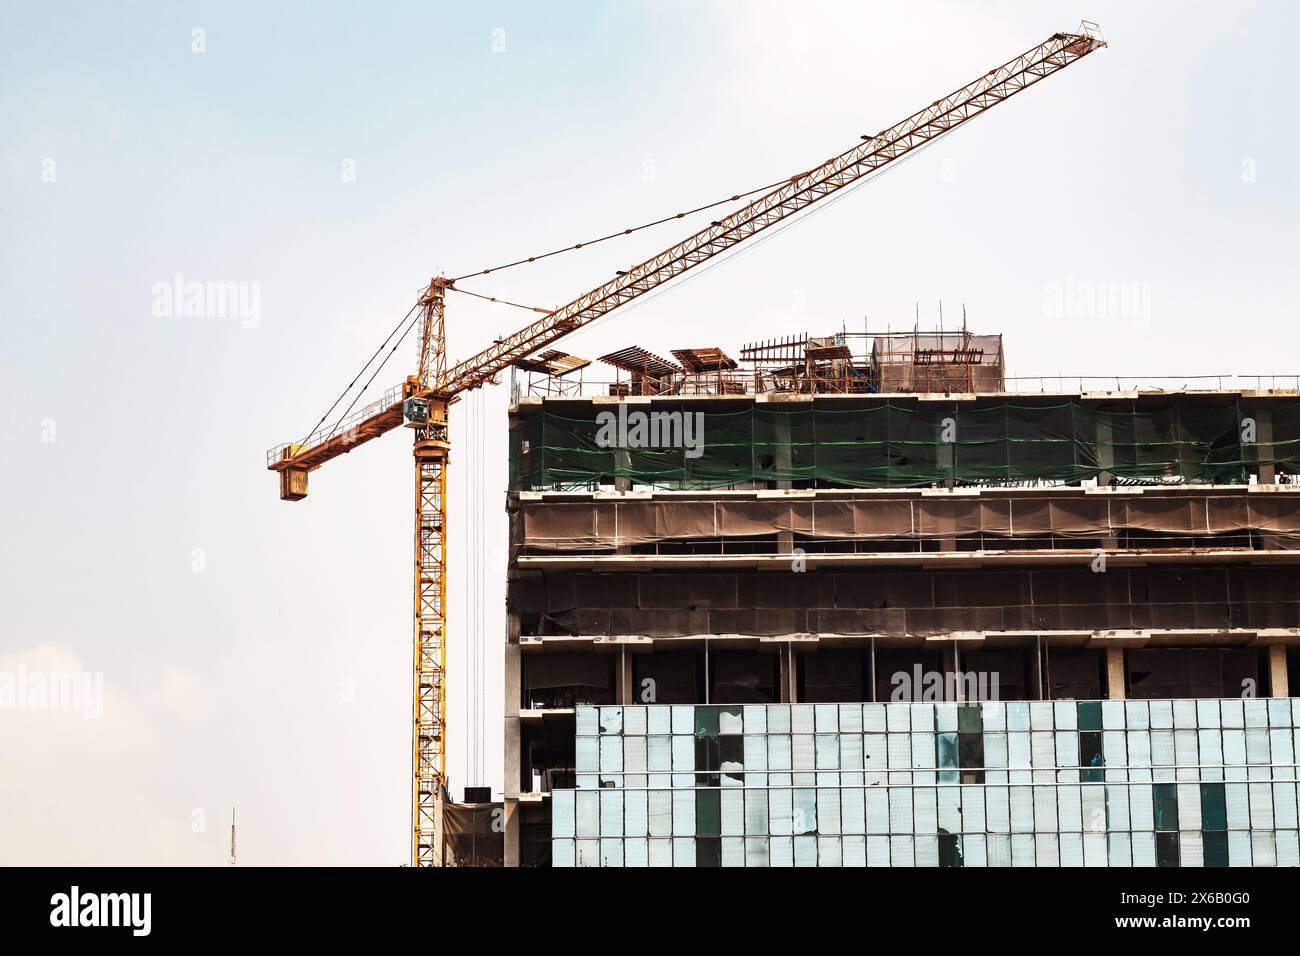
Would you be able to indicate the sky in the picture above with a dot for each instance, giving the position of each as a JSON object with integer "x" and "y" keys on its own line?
{"x": 1131, "y": 216}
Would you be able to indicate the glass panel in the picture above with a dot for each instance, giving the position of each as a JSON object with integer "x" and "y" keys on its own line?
{"x": 855, "y": 851}
{"x": 587, "y": 721}
{"x": 563, "y": 853}
{"x": 587, "y": 810}
{"x": 853, "y": 813}
{"x": 634, "y": 723}
{"x": 1214, "y": 848}
{"x": 611, "y": 720}
{"x": 947, "y": 756}
{"x": 802, "y": 720}
{"x": 1166, "y": 849}
{"x": 827, "y": 718}
{"x": 611, "y": 813}
{"x": 683, "y": 720}
{"x": 660, "y": 813}
{"x": 1089, "y": 715}
{"x": 658, "y": 721}
{"x": 1189, "y": 806}
{"x": 1165, "y": 806}
{"x": 636, "y": 813}
{"x": 828, "y": 751}
{"x": 733, "y": 851}
{"x": 562, "y": 820}
{"x": 661, "y": 853}
{"x": 730, "y": 720}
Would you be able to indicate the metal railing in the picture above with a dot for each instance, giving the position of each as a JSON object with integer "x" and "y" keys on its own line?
{"x": 1164, "y": 383}
{"x": 741, "y": 382}
{"x": 390, "y": 398}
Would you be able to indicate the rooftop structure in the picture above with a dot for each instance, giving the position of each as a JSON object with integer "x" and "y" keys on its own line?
{"x": 825, "y": 625}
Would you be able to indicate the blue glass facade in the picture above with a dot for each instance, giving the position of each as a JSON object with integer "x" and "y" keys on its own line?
{"x": 1020, "y": 783}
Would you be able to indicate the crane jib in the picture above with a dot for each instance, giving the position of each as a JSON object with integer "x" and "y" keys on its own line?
{"x": 799, "y": 192}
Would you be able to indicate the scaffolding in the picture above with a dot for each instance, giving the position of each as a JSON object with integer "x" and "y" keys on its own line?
{"x": 938, "y": 362}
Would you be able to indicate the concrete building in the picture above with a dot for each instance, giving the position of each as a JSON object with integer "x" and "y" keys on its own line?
{"x": 778, "y": 617}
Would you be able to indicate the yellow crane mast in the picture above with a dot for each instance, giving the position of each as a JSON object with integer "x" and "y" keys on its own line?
{"x": 423, "y": 400}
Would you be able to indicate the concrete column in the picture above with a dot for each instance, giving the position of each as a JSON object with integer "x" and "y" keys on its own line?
{"x": 952, "y": 665}
{"x": 623, "y": 462}
{"x": 1264, "y": 445}
{"x": 626, "y": 688}
{"x": 1115, "y": 672}
{"x": 787, "y": 675}
{"x": 872, "y": 671}
{"x": 1105, "y": 452}
{"x": 1277, "y": 676}
{"x": 510, "y": 820}
{"x": 512, "y": 760}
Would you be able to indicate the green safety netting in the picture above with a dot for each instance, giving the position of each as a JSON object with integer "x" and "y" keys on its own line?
{"x": 900, "y": 444}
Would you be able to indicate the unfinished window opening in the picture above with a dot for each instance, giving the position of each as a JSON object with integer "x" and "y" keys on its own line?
{"x": 910, "y": 674}
{"x": 742, "y": 677}
{"x": 668, "y": 677}
{"x": 949, "y": 849}
{"x": 1074, "y": 673}
{"x": 945, "y": 757}
{"x": 1193, "y": 672}
{"x": 1164, "y": 800}
{"x": 534, "y": 834}
{"x": 708, "y": 761}
{"x": 970, "y": 743}
{"x": 548, "y": 754}
{"x": 1001, "y": 673}
{"x": 1214, "y": 809}
{"x": 1167, "y": 849}
{"x": 1215, "y": 848}
{"x": 564, "y": 681}
{"x": 833, "y": 677}
{"x": 1091, "y": 756}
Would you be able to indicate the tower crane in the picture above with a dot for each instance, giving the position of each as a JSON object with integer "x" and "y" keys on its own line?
{"x": 423, "y": 399}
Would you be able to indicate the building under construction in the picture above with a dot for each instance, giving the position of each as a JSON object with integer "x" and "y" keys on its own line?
{"x": 864, "y": 600}
{"x": 661, "y": 446}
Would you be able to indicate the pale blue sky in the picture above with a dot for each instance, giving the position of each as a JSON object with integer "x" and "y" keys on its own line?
{"x": 231, "y": 684}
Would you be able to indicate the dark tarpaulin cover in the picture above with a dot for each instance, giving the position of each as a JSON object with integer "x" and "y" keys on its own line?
{"x": 473, "y": 834}
{"x": 900, "y": 443}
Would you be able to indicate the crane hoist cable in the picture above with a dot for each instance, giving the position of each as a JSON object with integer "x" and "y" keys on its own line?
{"x": 619, "y": 233}
{"x": 361, "y": 372}
{"x": 378, "y": 368}
{"x": 531, "y": 308}
{"x": 802, "y": 216}
{"x": 492, "y": 298}
{"x": 809, "y": 213}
